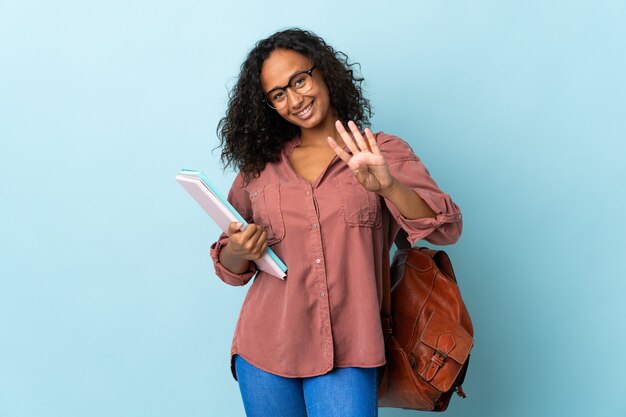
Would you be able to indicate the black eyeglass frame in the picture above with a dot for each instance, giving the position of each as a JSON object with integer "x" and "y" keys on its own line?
{"x": 309, "y": 72}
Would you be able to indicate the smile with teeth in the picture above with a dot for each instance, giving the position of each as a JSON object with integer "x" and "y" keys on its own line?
{"x": 305, "y": 112}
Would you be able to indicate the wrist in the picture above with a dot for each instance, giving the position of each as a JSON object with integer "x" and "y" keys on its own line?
{"x": 232, "y": 262}
{"x": 388, "y": 190}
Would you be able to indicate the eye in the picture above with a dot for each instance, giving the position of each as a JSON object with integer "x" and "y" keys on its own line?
{"x": 278, "y": 95}
{"x": 299, "y": 81}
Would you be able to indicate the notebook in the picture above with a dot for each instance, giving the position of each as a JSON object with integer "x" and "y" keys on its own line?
{"x": 223, "y": 213}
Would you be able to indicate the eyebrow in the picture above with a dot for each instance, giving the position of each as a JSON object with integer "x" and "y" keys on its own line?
{"x": 282, "y": 87}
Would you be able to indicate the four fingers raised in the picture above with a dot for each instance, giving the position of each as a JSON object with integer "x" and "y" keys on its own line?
{"x": 355, "y": 141}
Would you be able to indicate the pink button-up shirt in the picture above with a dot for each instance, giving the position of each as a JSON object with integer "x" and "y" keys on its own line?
{"x": 329, "y": 233}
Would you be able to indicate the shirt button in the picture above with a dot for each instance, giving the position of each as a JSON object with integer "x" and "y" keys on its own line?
{"x": 322, "y": 294}
{"x": 318, "y": 260}
{"x": 314, "y": 226}
{"x": 308, "y": 192}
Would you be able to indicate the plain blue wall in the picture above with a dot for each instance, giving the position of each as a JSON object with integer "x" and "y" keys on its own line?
{"x": 108, "y": 301}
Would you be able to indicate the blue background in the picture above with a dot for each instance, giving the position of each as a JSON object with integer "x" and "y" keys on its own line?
{"x": 108, "y": 301}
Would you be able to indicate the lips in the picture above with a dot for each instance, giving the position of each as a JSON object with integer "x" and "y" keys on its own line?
{"x": 306, "y": 112}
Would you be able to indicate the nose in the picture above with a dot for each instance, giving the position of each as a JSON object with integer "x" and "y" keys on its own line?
{"x": 294, "y": 98}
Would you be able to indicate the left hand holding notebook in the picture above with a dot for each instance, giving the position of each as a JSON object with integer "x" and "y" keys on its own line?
{"x": 245, "y": 245}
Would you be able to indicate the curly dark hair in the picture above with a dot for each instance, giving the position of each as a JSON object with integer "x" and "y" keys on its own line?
{"x": 252, "y": 134}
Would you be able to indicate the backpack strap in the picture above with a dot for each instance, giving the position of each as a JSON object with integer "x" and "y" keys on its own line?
{"x": 402, "y": 243}
{"x": 401, "y": 240}
{"x": 385, "y": 308}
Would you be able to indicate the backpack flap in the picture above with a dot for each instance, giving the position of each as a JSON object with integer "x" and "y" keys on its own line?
{"x": 448, "y": 349}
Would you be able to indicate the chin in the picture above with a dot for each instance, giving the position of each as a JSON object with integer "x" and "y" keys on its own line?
{"x": 307, "y": 124}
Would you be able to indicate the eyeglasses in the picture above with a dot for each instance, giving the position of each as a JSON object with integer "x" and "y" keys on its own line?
{"x": 300, "y": 83}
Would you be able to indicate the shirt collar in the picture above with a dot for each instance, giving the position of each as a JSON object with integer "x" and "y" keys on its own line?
{"x": 288, "y": 148}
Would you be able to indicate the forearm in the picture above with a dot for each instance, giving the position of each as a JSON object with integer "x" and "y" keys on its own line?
{"x": 408, "y": 203}
{"x": 233, "y": 263}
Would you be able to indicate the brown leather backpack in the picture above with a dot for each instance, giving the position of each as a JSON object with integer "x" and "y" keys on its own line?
{"x": 428, "y": 331}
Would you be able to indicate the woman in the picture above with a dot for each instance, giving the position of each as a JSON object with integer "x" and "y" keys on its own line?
{"x": 316, "y": 188}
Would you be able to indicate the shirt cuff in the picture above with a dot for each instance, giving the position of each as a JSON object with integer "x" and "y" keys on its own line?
{"x": 226, "y": 275}
{"x": 444, "y": 229}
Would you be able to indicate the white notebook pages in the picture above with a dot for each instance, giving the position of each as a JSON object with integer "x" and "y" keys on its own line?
{"x": 223, "y": 213}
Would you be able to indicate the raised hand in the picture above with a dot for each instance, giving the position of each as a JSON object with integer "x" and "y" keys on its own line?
{"x": 365, "y": 159}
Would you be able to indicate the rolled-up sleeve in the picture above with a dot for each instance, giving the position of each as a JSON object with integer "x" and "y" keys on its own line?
{"x": 405, "y": 166}
{"x": 224, "y": 274}
{"x": 237, "y": 196}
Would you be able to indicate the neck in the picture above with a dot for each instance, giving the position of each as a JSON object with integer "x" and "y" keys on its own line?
{"x": 317, "y": 135}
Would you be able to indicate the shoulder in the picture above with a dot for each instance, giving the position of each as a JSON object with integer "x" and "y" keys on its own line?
{"x": 242, "y": 187}
{"x": 395, "y": 149}
{"x": 254, "y": 181}
{"x": 238, "y": 182}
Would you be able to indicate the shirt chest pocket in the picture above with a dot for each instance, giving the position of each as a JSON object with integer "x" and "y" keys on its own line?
{"x": 360, "y": 207}
{"x": 266, "y": 212}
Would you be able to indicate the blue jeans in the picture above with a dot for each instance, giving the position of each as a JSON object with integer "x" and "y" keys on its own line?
{"x": 343, "y": 392}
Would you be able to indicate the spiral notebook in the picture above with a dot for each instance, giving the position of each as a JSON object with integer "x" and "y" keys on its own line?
{"x": 223, "y": 213}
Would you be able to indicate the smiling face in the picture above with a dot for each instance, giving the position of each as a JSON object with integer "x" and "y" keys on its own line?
{"x": 308, "y": 110}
